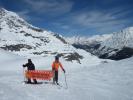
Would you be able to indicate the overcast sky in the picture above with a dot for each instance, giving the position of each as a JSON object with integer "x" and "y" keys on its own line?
{"x": 74, "y": 17}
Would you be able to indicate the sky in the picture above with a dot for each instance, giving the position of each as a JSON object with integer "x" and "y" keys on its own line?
{"x": 74, "y": 17}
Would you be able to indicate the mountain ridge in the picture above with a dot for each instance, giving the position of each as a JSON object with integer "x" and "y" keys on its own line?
{"x": 115, "y": 46}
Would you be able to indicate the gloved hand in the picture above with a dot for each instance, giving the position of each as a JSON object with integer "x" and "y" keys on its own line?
{"x": 64, "y": 71}
{"x": 23, "y": 65}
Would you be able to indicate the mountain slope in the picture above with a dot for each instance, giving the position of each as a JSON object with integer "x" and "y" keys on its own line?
{"x": 116, "y": 46}
{"x": 20, "y": 37}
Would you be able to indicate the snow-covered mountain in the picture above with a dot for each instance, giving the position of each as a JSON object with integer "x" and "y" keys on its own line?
{"x": 20, "y": 37}
{"x": 88, "y": 40}
{"x": 116, "y": 46}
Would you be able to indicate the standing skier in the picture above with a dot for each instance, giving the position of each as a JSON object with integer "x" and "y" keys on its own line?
{"x": 30, "y": 66}
{"x": 55, "y": 66}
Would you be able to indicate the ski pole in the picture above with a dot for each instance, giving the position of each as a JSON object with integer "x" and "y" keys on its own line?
{"x": 65, "y": 80}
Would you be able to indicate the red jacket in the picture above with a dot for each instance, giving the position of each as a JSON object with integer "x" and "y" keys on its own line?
{"x": 56, "y": 65}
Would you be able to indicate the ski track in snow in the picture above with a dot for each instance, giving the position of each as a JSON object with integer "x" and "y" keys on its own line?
{"x": 111, "y": 81}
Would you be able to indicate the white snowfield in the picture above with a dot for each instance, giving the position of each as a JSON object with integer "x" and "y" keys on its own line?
{"x": 94, "y": 81}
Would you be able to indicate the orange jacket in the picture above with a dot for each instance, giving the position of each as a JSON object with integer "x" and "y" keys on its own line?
{"x": 56, "y": 66}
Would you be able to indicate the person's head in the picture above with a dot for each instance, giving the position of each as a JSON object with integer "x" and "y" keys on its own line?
{"x": 56, "y": 58}
{"x": 29, "y": 61}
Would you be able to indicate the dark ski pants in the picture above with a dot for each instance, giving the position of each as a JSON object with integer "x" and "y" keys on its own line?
{"x": 55, "y": 78}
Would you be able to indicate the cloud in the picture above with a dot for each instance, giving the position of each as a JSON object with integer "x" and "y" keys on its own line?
{"x": 45, "y": 8}
{"x": 63, "y": 15}
{"x": 102, "y": 20}
{"x": 24, "y": 14}
{"x": 50, "y": 7}
{"x": 61, "y": 25}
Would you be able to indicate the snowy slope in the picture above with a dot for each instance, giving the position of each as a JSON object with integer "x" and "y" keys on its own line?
{"x": 4, "y": 56}
{"x": 22, "y": 38}
{"x": 121, "y": 39}
{"x": 19, "y": 37}
{"x": 116, "y": 46}
{"x": 108, "y": 81}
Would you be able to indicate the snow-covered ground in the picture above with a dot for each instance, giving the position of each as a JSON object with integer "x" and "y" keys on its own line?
{"x": 105, "y": 81}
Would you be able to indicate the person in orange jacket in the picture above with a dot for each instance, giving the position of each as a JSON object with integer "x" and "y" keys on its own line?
{"x": 55, "y": 66}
